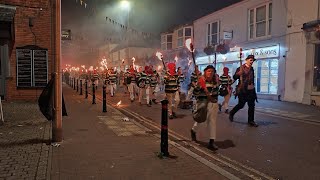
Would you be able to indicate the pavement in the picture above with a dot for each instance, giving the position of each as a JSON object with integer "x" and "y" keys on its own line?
{"x": 101, "y": 145}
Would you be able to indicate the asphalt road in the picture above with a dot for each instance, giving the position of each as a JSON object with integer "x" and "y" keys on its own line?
{"x": 280, "y": 148}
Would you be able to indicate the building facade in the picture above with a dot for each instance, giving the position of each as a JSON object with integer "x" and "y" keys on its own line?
{"x": 26, "y": 43}
{"x": 259, "y": 28}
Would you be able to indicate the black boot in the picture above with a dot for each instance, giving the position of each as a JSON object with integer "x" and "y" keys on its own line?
{"x": 193, "y": 136}
{"x": 212, "y": 145}
{"x": 220, "y": 106}
{"x": 231, "y": 117}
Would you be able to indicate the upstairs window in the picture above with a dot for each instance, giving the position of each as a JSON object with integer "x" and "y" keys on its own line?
{"x": 260, "y": 21}
{"x": 213, "y": 33}
{"x": 180, "y": 38}
{"x": 166, "y": 42}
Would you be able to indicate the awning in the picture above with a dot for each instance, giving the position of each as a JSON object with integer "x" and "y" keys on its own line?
{"x": 7, "y": 12}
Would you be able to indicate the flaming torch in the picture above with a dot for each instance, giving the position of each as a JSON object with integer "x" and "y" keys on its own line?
{"x": 176, "y": 58}
{"x": 133, "y": 60}
{"x": 118, "y": 104}
{"x": 160, "y": 57}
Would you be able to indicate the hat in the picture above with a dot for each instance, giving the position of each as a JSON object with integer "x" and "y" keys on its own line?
{"x": 209, "y": 67}
{"x": 250, "y": 56}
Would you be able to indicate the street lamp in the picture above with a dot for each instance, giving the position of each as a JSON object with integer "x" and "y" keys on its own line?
{"x": 126, "y": 5}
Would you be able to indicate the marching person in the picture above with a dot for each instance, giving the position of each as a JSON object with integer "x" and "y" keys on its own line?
{"x": 154, "y": 80}
{"x": 178, "y": 92}
{"x": 226, "y": 82}
{"x": 193, "y": 83}
{"x": 143, "y": 84}
{"x": 208, "y": 94}
{"x": 170, "y": 88}
{"x": 245, "y": 90}
{"x": 95, "y": 78}
{"x": 112, "y": 81}
{"x": 133, "y": 88}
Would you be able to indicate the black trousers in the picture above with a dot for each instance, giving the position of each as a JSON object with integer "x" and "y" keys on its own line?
{"x": 248, "y": 97}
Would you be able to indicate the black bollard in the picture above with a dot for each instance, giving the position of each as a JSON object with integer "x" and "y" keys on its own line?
{"x": 164, "y": 129}
{"x": 74, "y": 83}
{"x": 93, "y": 93}
{"x": 86, "y": 89}
{"x": 80, "y": 86}
{"x": 104, "y": 98}
{"x": 77, "y": 85}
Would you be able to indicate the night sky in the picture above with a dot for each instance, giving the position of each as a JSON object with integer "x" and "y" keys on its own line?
{"x": 152, "y": 16}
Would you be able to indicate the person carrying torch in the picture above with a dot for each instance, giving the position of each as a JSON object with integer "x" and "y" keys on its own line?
{"x": 206, "y": 93}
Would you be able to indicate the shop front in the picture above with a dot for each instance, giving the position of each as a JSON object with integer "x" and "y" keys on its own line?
{"x": 266, "y": 67}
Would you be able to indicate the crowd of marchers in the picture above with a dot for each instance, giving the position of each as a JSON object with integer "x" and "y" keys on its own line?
{"x": 204, "y": 90}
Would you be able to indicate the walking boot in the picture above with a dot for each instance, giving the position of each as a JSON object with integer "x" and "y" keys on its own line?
{"x": 231, "y": 117}
{"x": 227, "y": 111}
{"x": 253, "y": 124}
{"x": 171, "y": 116}
{"x": 193, "y": 136}
{"x": 174, "y": 114}
{"x": 212, "y": 146}
{"x": 220, "y": 106}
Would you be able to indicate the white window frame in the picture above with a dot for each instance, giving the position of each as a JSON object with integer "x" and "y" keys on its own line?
{"x": 268, "y": 21}
{"x": 180, "y": 38}
{"x": 209, "y": 33}
{"x": 169, "y": 42}
{"x": 165, "y": 42}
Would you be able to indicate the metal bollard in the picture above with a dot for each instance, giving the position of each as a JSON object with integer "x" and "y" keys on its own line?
{"x": 164, "y": 128}
{"x": 80, "y": 86}
{"x": 74, "y": 83}
{"x": 77, "y": 85}
{"x": 104, "y": 98}
{"x": 86, "y": 89}
{"x": 93, "y": 93}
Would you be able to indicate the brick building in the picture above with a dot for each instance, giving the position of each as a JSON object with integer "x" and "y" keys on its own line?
{"x": 27, "y": 47}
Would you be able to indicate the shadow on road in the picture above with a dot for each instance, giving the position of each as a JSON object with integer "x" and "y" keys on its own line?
{"x": 260, "y": 123}
{"x": 221, "y": 144}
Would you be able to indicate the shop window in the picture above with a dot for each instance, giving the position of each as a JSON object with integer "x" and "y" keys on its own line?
{"x": 266, "y": 74}
{"x": 316, "y": 71}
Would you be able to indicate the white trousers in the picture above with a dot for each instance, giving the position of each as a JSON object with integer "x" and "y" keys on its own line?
{"x": 141, "y": 92}
{"x": 225, "y": 103}
{"x": 113, "y": 88}
{"x": 190, "y": 93}
{"x": 211, "y": 122}
{"x": 176, "y": 100}
{"x": 133, "y": 89}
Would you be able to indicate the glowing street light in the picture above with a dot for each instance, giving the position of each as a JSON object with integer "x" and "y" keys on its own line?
{"x": 125, "y": 4}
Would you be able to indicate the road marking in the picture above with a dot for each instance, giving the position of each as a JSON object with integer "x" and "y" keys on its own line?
{"x": 220, "y": 170}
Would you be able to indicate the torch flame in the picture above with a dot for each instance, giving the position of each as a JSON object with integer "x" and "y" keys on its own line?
{"x": 118, "y": 104}
{"x": 122, "y": 61}
{"x": 189, "y": 45}
{"x": 176, "y": 59}
{"x": 159, "y": 68}
{"x": 133, "y": 59}
{"x": 159, "y": 55}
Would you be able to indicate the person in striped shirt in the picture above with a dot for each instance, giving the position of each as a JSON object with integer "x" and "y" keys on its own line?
{"x": 193, "y": 82}
{"x": 226, "y": 82}
{"x": 133, "y": 88}
{"x": 144, "y": 84}
{"x": 178, "y": 92}
{"x": 170, "y": 88}
{"x": 95, "y": 78}
{"x": 154, "y": 80}
{"x": 208, "y": 87}
{"x": 112, "y": 81}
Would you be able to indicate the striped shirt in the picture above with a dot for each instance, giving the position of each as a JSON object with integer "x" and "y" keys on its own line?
{"x": 225, "y": 80}
{"x": 212, "y": 87}
{"x": 112, "y": 78}
{"x": 194, "y": 78}
{"x": 171, "y": 83}
{"x": 154, "y": 79}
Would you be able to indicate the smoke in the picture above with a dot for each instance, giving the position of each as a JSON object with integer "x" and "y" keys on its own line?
{"x": 90, "y": 30}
